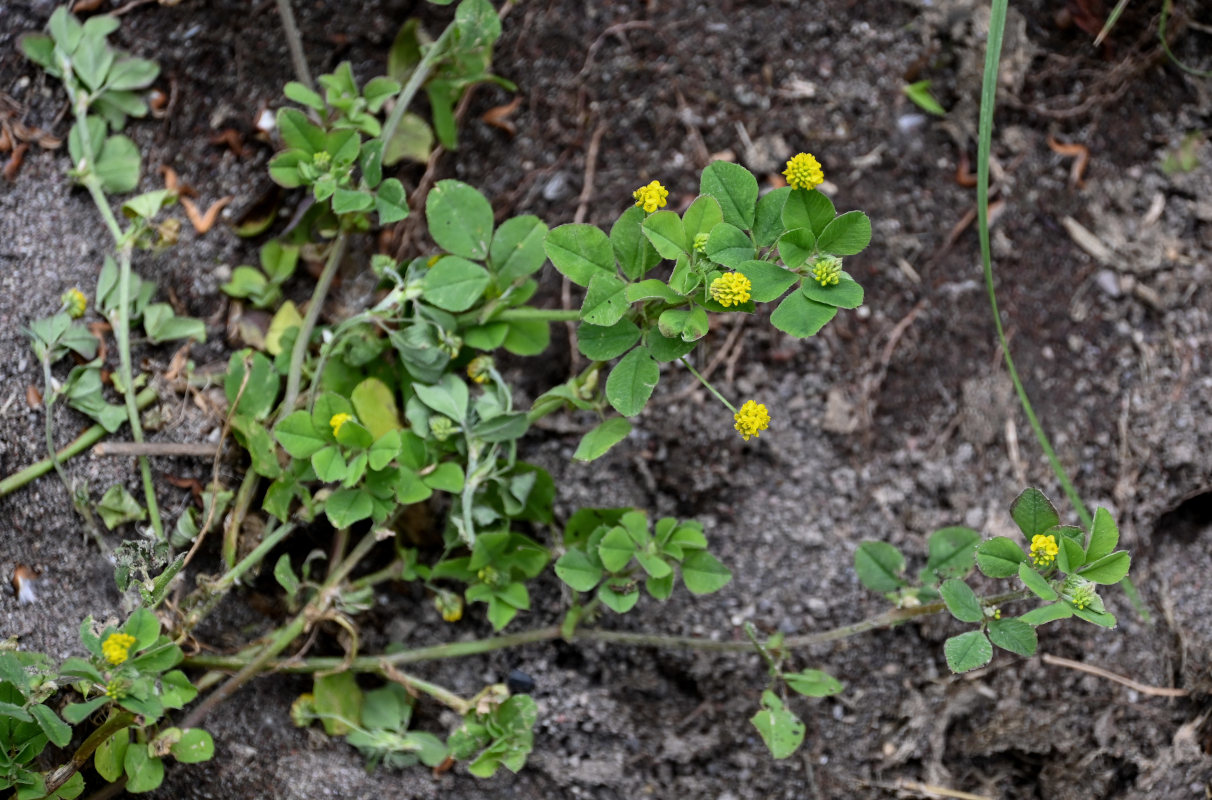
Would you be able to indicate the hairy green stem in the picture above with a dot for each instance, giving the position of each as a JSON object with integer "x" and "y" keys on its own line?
{"x": 418, "y": 77}
{"x": 294, "y": 42}
{"x": 375, "y": 664}
{"x": 82, "y": 442}
{"x": 299, "y": 352}
{"x": 115, "y": 723}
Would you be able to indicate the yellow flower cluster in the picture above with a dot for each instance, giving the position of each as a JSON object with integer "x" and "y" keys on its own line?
{"x": 730, "y": 289}
{"x": 116, "y": 647}
{"x": 337, "y": 421}
{"x": 1043, "y": 549}
{"x": 479, "y": 369}
{"x": 75, "y": 303}
{"x": 449, "y": 605}
{"x": 651, "y": 197}
{"x": 804, "y": 172}
{"x": 828, "y": 271}
{"x": 751, "y": 420}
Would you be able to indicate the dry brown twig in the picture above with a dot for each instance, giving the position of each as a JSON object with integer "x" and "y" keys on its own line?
{"x": 1153, "y": 691}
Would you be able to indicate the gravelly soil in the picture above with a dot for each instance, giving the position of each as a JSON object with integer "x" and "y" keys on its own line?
{"x": 897, "y": 420}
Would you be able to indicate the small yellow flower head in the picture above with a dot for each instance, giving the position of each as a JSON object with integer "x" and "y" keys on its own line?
{"x": 700, "y": 243}
{"x": 730, "y": 289}
{"x": 804, "y": 172}
{"x": 74, "y": 302}
{"x": 751, "y": 420}
{"x": 116, "y": 647}
{"x": 827, "y": 271}
{"x": 650, "y": 197}
{"x": 1043, "y": 549}
{"x": 479, "y": 369}
{"x": 337, "y": 421}
{"x": 449, "y": 605}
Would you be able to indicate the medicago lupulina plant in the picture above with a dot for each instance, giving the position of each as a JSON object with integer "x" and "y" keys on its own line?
{"x": 399, "y": 409}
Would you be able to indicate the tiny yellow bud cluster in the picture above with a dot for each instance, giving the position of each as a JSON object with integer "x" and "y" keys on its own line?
{"x": 1043, "y": 549}
{"x": 651, "y": 197}
{"x": 116, "y": 647}
{"x": 751, "y": 420}
{"x": 116, "y": 689}
{"x": 700, "y": 243}
{"x": 74, "y": 302}
{"x": 479, "y": 369}
{"x": 449, "y": 605}
{"x": 827, "y": 271}
{"x": 441, "y": 427}
{"x": 321, "y": 159}
{"x": 337, "y": 421}
{"x": 804, "y": 172}
{"x": 730, "y": 289}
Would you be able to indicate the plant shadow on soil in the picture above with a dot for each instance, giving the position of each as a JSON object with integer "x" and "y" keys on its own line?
{"x": 879, "y": 431}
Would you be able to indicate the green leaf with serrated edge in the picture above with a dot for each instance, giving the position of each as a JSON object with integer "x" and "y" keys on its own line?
{"x": 736, "y": 190}
{"x": 1033, "y": 512}
{"x": 59, "y": 732}
{"x": 454, "y": 283}
{"x": 285, "y": 576}
{"x": 813, "y": 683}
{"x": 1071, "y": 556}
{"x": 703, "y": 573}
{"x": 780, "y": 729}
{"x": 391, "y": 204}
{"x": 728, "y": 245}
{"x": 605, "y": 301}
{"x": 578, "y": 570}
{"x": 1013, "y": 635}
{"x": 619, "y": 602}
{"x": 999, "y": 557}
{"x": 616, "y": 549}
{"x": 769, "y": 281}
{"x": 329, "y": 464}
{"x": 118, "y": 165}
{"x": 459, "y": 219}
{"x": 768, "y": 222}
{"x": 1049, "y": 613}
{"x": 952, "y": 551}
{"x": 961, "y": 601}
{"x": 846, "y": 294}
{"x": 143, "y": 773}
{"x": 344, "y": 507}
{"x": 194, "y": 746}
{"x": 579, "y": 251}
{"x": 300, "y": 133}
{"x": 968, "y": 651}
{"x": 652, "y": 289}
{"x": 517, "y": 248}
{"x": 1103, "y": 619}
{"x": 800, "y": 317}
{"x": 1036, "y": 582}
{"x": 631, "y": 382}
{"x": 701, "y": 216}
{"x": 1104, "y": 536}
{"x": 604, "y": 343}
{"x": 808, "y": 208}
{"x": 667, "y": 234}
{"x": 635, "y": 253}
{"x": 1109, "y": 569}
{"x": 664, "y": 348}
{"x": 879, "y": 566}
{"x": 795, "y": 246}
{"x": 298, "y": 436}
{"x": 527, "y": 337}
{"x": 847, "y": 235}
{"x": 110, "y": 755}
{"x": 604, "y": 436}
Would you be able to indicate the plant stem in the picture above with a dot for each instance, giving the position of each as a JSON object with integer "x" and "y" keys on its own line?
{"x": 216, "y": 591}
{"x": 419, "y": 75}
{"x": 299, "y": 352}
{"x": 294, "y": 42}
{"x": 115, "y": 723}
{"x": 524, "y": 314}
{"x": 82, "y": 442}
{"x": 374, "y": 664}
{"x": 710, "y": 388}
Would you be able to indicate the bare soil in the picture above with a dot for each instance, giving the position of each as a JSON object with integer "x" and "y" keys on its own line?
{"x": 896, "y": 420}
